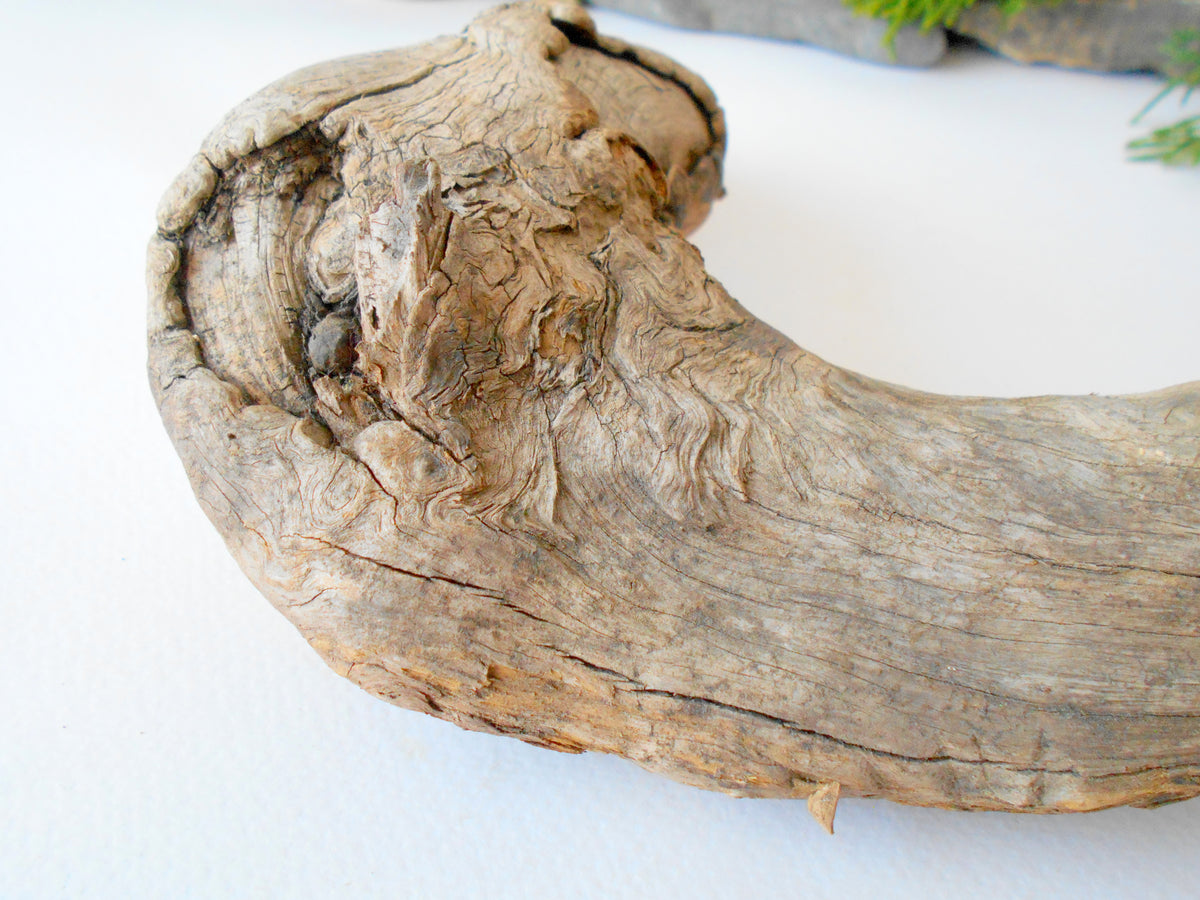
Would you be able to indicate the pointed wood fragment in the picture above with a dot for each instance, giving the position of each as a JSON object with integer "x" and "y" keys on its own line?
{"x": 822, "y": 804}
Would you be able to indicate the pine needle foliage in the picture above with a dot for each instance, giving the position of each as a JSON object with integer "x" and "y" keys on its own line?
{"x": 1173, "y": 145}
{"x": 1177, "y": 144}
{"x": 927, "y": 14}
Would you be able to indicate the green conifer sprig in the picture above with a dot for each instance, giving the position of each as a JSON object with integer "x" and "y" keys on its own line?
{"x": 1177, "y": 144}
{"x": 927, "y": 14}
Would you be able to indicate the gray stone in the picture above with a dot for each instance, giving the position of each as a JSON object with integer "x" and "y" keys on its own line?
{"x": 1105, "y": 35}
{"x": 825, "y": 23}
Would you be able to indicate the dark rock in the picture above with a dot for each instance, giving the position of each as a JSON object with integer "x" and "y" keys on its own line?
{"x": 826, "y": 23}
{"x": 1105, "y": 35}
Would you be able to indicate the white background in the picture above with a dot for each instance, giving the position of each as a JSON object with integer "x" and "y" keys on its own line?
{"x": 164, "y": 733}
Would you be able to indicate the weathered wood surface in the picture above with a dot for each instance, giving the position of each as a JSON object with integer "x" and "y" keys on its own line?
{"x": 466, "y": 407}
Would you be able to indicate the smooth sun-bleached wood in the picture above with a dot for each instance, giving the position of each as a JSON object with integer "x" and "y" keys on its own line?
{"x": 561, "y": 486}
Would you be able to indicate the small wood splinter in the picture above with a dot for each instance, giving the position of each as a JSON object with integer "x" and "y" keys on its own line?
{"x": 822, "y": 804}
{"x": 467, "y": 408}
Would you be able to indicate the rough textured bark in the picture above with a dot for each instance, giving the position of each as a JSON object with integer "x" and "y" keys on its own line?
{"x": 467, "y": 408}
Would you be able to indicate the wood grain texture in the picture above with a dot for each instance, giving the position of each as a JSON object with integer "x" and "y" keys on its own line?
{"x": 466, "y": 407}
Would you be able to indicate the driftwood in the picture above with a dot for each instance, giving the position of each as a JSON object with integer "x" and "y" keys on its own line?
{"x": 466, "y": 407}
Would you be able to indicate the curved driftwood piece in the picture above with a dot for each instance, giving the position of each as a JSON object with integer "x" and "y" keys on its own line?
{"x": 467, "y": 408}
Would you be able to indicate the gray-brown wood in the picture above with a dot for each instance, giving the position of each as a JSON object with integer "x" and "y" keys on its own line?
{"x": 467, "y": 408}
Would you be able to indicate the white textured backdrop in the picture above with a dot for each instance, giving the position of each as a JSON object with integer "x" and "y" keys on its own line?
{"x": 164, "y": 733}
